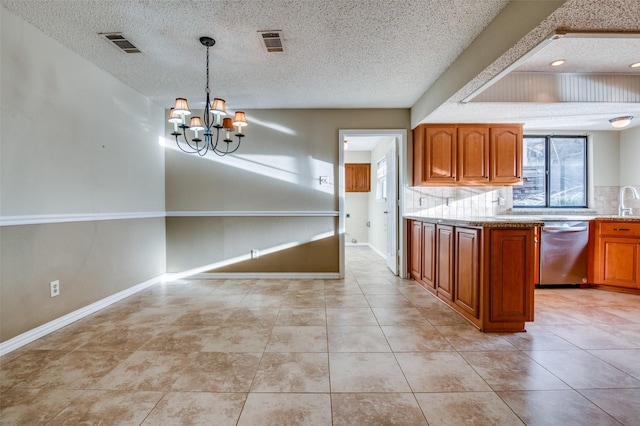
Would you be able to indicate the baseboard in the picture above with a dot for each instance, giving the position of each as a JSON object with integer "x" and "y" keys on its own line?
{"x": 41, "y": 331}
{"x": 267, "y": 275}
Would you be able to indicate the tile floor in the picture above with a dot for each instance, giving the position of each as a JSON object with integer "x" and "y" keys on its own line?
{"x": 371, "y": 349}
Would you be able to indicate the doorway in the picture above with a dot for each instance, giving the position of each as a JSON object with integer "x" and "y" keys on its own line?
{"x": 386, "y": 150}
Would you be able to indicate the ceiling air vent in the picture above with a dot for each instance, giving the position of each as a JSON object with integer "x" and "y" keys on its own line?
{"x": 272, "y": 40}
{"x": 118, "y": 40}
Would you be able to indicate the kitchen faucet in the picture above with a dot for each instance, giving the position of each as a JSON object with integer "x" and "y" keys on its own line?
{"x": 621, "y": 208}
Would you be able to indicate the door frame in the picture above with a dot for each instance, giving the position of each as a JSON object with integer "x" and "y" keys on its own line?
{"x": 401, "y": 135}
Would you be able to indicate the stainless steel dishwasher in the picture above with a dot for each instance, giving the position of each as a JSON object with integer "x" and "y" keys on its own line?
{"x": 563, "y": 253}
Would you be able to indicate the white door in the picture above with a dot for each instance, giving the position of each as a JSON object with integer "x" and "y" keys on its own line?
{"x": 392, "y": 207}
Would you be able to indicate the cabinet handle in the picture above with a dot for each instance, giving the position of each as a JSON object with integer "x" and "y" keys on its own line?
{"x": 621, "y": 229}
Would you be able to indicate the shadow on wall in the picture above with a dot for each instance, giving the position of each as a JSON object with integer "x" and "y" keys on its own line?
{"x": 315, "y": 256}
{"x": 450, "y": 201}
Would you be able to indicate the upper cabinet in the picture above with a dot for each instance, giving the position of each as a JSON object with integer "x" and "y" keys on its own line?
{"x": 357, "y": 177}
{"x": 467, "y": 154}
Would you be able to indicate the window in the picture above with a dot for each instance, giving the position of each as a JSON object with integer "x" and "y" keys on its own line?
{"x": 381, "y": 188}
{"x": 554, "y": 172}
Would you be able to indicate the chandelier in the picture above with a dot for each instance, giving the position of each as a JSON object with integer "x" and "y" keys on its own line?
{"x": 211, "y": 126}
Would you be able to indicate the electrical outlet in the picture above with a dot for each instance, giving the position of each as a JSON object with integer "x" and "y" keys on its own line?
{"x": 255, "y": 253}
{"x": 501, "y": 201}
{"x": 55, "y": 288}
{"x": 450, "y": 201}
{"x": 423, "y": 201}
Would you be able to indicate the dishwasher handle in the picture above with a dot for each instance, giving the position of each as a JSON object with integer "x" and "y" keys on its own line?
{"x": 559, "y": 229}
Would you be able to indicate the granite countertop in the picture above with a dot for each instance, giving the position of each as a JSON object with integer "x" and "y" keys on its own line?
{"x": 518, "y": 221}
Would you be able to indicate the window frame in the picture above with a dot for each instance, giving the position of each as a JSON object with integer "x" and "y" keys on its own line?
{"x": 547, "y": 173}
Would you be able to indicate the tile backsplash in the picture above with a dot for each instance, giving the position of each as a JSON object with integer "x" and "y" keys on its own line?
{"x": 456, "y": 201}
{"x": 483, "y": 201}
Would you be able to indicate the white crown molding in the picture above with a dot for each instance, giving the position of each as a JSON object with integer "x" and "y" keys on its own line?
{"x": 252, "y": 213}
{"x": 66, "y": 218}
{"x": 51, "y": 326}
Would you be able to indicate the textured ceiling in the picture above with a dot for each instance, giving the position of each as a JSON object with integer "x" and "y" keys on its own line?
{"x": 337, "y": 53}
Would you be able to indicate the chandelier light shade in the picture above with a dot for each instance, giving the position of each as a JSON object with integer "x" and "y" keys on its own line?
{"x": 620, "y": 122}
{"x": 211, "y": 125}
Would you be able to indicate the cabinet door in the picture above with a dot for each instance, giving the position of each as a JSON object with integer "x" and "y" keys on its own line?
{"x": 429, "y": 255}
{"x": 357, "y": 177}
{"x": 439, "y": 152}
{"x": 445, "y": 262}
{"x": 415, "y": 267}
{"x": 467, "y": 278}
{"x": 505, "y": 154}
{"x": 473, "y": 155}
{"x": 620, "y": 261}
{"x": 511, "y": 275}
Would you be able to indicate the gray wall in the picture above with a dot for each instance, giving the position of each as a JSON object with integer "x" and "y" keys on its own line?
{"x": 275, "y": 175}
{"x": 82, "y": 181}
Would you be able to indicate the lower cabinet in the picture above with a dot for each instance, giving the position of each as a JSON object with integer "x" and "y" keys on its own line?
{"x": 617, "y": 254}
{"x": 444, "y": 262}
{"x": 485, "y": 274}
{"x": 467, "y": 265}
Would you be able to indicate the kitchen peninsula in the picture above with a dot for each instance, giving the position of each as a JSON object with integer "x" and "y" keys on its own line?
{"x": 483, "y": 268}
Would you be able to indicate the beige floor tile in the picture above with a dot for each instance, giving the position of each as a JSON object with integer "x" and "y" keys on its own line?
{"x": 33, "y": 406}
{"x": 292, "y": 372}
{"x": 538, "y": 340}
{"x": 27, "y": 365}
{"x": 588, "y": 337}
{"x": 366, "y": 372}
{"x": 302, "y": 316}
{"x": 441, "y": 315}
{"x": 76, "y": 370}
{"x": 253, "y": 316}
{"x": 357, "y": 339}
{"x": 237, "y": 338}
{"x": 388, "y": 301}
{"x": 218, "y": 372}
{"x": 627, "y": 360}
{"x": 376, "y": 409}
{"x": 346, "y": 301}
{"x": 440, "y": 372}
{"x": 622, "y": 404}
{"x": 179, "y": 339}
{"x": 512, "y": 371}
{"x": 351, "y": 316}
{"x": 197, "y": 408}
{"x": 467, "y": 338}
{"x": 203, "y": 316}
{"x": 148, "y": 371}
{"x": 400, "y": 316}
{"x": 415, "y": 338}
{"x": 296, "y": 338}
{"x": 466, "y": 408}
{"x": 277, "y": 409}
{"x": 108, "y": 407}
{"x": 581, "y": 370}
{"x": 556, "y": 407}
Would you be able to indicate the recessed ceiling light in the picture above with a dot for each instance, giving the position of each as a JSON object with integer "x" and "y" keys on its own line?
{"x": 620, "y": 122}
{"x": 635, "y": 65}
{"x": 557, "y": 63}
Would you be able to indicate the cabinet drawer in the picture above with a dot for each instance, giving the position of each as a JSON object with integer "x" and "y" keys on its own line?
{"x": 620, "y": 229}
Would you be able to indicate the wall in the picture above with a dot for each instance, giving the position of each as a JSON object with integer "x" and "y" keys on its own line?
{"x": 274, "y": 175}
{"x": 630, "y": 164}
{"x": 82, "y": 181}
{"x": 356, "y": 204}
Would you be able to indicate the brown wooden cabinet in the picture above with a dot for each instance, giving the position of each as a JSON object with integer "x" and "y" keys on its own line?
{"x": 473, "y": 155}
{"x": 467, "y": 265}
{"x": 467, "y": 154}
{"x": 485, "y": 274}
{"x": 428, "y": 273}
{"x": 616, "y": 248}
{"x": 357, "y": 177}
{"x": 444, "y": 262}
{"x": 510, "y": 282}
{"x": 506, "y": 154}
